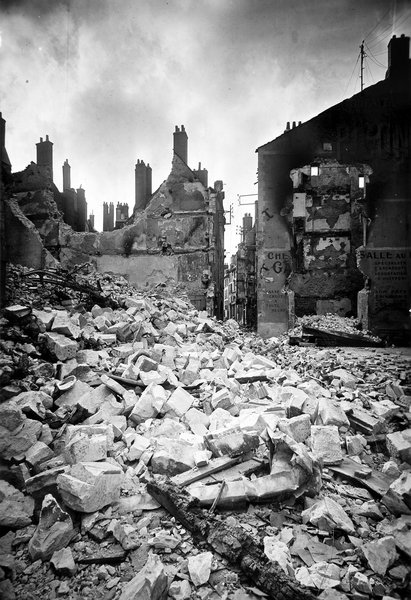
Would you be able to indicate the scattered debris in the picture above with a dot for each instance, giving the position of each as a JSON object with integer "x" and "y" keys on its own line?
{"x": 149, "y": 451}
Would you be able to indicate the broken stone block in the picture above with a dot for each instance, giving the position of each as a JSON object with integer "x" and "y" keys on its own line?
{"x": 199, "y": 568}
{"x": 398, "y": 497}
{"x": 380, "y": 554}
{"x": 180, "y": 590}
{"x": 346, "y": 378}
{"x": 127, "y": 535}
{"x": 331, "y": 413}
{"x": 88, "y": 443}
{"x": 63, "y": 562}
{"x": 89, "y": 486}
{"x": 173, "y": 457}
{"x": 361, "y": 583}
{"x": 178, "y": 403}
{"x": 321, "y": 575}
{"x": 355, "y": 444}
{"x": 197, "y": 421}
{"x": 63, "y": 324}
{"x": 363, "y": 421}
{"x": 222, "y": 399}
{"x": 14, "y": 444}
{"x": 34, "y": 404}
{"x": 399, "y": 445}
{"x": 293, "y": 399}
{"x": 62, "y": 347}
{"x": 38, "y": 453}
{"x": 231, "y": 442}
{"x": 11, "y": 415}
{"x": 139, "y": 445}
{"x": 299, "y": 427}
{"x": 149, "y": 404}
{"x": 16, "y": 509}
{"x": 328, "y": 515}
{"x": 390, "y": 468}
{"x": 202, "y": 458}
{"x": 325, "y": 444}
{"x": 221, "y": 419}
{"x": 151, "y": 583}
{"x": 384, "y": 409}
{"x": 278, "y": 552}
{"x": 54, "y": 531}
{"x": 44, "y": 319}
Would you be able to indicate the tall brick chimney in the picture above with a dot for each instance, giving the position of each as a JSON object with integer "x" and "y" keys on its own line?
{"x": 45, "y": 154}
{"x": 143, "y": 192}
{"x": 398, "y": 56}
{"x": 181, "y": 143}
{"x": 66, "y": 175}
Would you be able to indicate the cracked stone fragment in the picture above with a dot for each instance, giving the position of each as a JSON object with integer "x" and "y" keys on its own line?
{"x": 199, "y": 568}
{"x": 54, "y": 531}
{"x": 325, "y": 444}
{"x": 89, "y": 486}
{"x": 61, "y": 346}
{"x": 328, "y": 515}
{"x": 380, "y": 554}
{"x": 151, "y": 583}
{"x": 63, "y": 562}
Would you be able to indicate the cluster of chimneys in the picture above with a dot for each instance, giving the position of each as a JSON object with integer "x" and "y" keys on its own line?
{"x": 287, "y": 127}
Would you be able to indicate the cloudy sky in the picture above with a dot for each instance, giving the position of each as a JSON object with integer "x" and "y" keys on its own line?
{"x": 108, "y": 80}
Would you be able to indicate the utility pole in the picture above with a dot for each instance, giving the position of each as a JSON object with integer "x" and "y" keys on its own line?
{"x": 362, "y": 53}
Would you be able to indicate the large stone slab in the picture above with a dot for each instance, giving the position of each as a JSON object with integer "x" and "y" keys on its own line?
{"x": 89, "y": 486}
{"x": 16, "y": 509}
{"x": 61, "y": 346}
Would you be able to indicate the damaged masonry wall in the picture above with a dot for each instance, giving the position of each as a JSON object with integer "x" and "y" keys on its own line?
{"x": 175, "y": 239}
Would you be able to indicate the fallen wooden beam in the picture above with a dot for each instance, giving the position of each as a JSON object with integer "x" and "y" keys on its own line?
{"x": 232, "y": 542}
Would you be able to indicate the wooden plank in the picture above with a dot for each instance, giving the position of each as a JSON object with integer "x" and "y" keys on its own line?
{"x": 376, "y": 482}
{"x": 231, "y": 542}
{"x": 215, "y": 465}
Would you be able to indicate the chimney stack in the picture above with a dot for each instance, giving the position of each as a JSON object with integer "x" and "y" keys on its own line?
{"x": 143, "y": 177}
{"x": 180, "y": 146}
{"x": 398, "y": 56}
{"x": 45, "y": 154}
{"x": 66, "y": 175}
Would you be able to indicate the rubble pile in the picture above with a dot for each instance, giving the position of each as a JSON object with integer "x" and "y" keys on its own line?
{"x": 149, "y": 451}
{"x": 332, "y": 330}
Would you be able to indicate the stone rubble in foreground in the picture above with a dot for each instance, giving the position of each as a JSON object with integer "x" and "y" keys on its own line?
{"x": 313, "y": 446}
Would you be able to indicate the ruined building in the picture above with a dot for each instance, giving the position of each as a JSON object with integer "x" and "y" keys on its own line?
{"x": 334, "y": 210}
{"x": 34, "y": 188}
{"x": 174, "y": 235}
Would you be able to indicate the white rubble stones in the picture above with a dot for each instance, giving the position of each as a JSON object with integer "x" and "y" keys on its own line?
{"x": 65, "y": 325}
{"x": 88, "y": 443}
{"x": 150, "y": 403}
{"x": 199, "y": 568}
{"x": 328, "y": 515}
{"x": 299, "y": 427}
{"x": 178, "y": 404}
{"x": 151, "y": 583}
{"x": 321, "y": 575}
{"x": 62, "y": 347}
{"x": 231, "y": 441}
{"x": 399, "y": 445}
{"x": 89, "y": 486}
{"x": 326, "y": 444}
{"x": 355, "y": 444}
{"x": 180, "y": 590}
{"x": 380, "y": 554}
{"x": 38, "y": 453}
{"x": 331, "y": 413}
{"x": 127, "y": 535}
{"x": 278, "y": 552}
{"x": 54, "y": 531}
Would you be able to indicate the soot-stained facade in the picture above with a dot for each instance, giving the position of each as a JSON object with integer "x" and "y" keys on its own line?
{"x": 369, "y": 132}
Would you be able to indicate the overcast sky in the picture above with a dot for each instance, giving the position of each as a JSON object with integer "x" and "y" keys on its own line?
{"x": 108, "y": 80}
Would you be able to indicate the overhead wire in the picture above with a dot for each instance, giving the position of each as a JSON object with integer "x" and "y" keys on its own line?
{"x": 352, "y": 73}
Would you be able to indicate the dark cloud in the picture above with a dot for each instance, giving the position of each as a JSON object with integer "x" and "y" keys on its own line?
{"x": 109, "y": 79}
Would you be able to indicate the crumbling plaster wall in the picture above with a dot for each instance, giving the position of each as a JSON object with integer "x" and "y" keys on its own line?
{"x": 325, "y": 218}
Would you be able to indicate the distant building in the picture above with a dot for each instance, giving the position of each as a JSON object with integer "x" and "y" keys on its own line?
{"x": 108, "y": 216}
{"x": 371, "y": 130}
{"x": 121, "y": 214}
{"x": 239, "y": 279}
